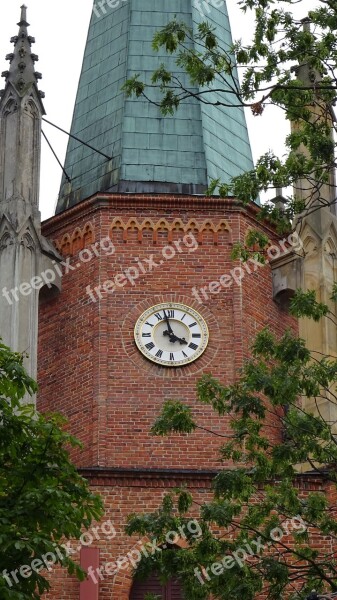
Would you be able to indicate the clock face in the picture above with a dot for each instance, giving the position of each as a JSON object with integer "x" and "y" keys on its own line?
{"x": 171, "y": 334}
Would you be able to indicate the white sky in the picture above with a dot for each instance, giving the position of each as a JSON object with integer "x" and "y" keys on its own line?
{"x": 60, "y": 29}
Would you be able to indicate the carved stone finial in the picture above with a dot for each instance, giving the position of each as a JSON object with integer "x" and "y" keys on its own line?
{"x": 23, "y": 19}
{"x": 21, "y": 97}
{"x": 306, "y": 23}
{"x": 21, "y": 72}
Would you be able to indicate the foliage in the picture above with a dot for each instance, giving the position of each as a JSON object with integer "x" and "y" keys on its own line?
{"x": 259, "y": 533}
{"x": 43, "y": 500}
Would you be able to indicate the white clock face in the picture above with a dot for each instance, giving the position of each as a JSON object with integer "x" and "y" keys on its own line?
{"x": 171, "y": 334}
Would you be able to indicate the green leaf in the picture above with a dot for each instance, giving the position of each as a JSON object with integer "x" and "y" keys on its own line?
{"x": 175, "y": 417}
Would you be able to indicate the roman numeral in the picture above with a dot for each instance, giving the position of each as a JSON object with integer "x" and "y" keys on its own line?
{"x": 146, "y": 334}
{"x": 184, "y": 354}
{"x": 159, "y": 353}
{"x": 170, "y": 314}
{"x": 193, "y": 324}
{"x": 193, "y": 346}
{"x": 196, "y": 335}
{"x": 149, "y": 346}
{"x": 171, "y": 356}
{"x": 183, "y": 317}
{"x": 147, "y": 323}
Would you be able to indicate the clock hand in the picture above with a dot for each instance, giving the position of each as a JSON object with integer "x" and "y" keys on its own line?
{"x": 170, "y": 330}
{"x": 177, "y": 339}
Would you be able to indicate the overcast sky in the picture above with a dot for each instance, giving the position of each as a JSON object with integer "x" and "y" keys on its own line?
{"x": 60, "y": 29}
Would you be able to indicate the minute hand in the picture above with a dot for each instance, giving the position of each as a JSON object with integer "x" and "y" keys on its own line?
{"x": 170, "y": 330}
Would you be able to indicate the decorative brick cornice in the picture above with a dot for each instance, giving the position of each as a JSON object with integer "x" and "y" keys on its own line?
{"x": 138, "y": 201}
{"x": 106, "y": 476}
{"x": 71, "y": 243}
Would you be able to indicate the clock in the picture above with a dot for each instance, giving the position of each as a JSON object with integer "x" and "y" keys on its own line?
{"x": 171, "y": 334}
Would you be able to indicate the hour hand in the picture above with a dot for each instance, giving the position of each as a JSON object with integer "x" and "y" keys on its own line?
{"x": 175, "y": 338}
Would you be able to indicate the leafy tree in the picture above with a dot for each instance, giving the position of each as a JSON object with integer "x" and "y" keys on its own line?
{"x": 288, "y": 64}
{"x": 259, "y": 532}
{"x": 43, "y": 500}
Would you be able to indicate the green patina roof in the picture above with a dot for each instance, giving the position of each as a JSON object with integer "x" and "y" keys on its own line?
{"x": 151, "y": 153}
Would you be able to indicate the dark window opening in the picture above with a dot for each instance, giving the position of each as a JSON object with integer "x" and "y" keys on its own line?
{"x": 170, "y": 591}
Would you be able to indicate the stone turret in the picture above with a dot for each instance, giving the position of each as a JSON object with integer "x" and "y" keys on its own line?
{"x": 318, "y": 230}
{"x": 316, "y": 267}
{"x": 25, "y": 254}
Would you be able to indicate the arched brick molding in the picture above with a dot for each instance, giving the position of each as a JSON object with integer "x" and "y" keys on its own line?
{"x": 171, "y": 229}
{"x": 123, "y": 581}
{"x": 71, "y": 244}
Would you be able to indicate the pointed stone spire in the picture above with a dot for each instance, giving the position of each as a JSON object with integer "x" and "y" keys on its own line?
{"x": 21, "y": 106}
{"x": 22, "y": 74}
{"x": 24, "y": 253}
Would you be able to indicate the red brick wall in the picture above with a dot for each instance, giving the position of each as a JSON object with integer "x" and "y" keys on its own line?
{"x": 124, "y": 494}
{"x": 89, "y": 367}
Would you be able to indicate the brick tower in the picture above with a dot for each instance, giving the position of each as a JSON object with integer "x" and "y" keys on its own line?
{"x": 151, "y": 298}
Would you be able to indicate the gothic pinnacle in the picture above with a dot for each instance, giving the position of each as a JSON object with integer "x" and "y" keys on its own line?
{"x": 21, "y": 74}
{"x": 23, "y": 20}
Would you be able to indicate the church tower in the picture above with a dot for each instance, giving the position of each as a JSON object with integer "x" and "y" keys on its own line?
{"x": 151, "y": 298}
{"x": 24, "y": 253}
